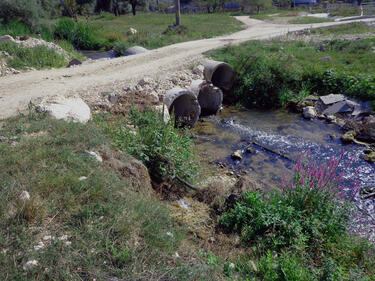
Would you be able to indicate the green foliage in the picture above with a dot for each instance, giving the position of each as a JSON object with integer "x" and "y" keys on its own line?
{"x": 115, "y": 232}
{"x": 345, "y": 12}
{"x": 14, "y": 29}
{"x": 120, "y": 48}
{"x": 27, "y": 11}
{"x": 308, "y": 20}
{"x": 301, "y": 232}
{"x": 271, "y": 74}
{"x": 351, "y": 28}
{"x": 152, "y": 140}
{"x": 81, "y": 36}
{"x": 39, "y": 57}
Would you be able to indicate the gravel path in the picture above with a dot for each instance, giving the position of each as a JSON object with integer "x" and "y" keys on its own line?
{"x": 16, "y": 91}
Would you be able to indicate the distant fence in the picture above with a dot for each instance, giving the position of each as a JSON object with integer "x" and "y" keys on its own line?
{"x": 367, "y": 9}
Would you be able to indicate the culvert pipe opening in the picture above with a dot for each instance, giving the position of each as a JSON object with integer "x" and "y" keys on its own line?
{"x": 219, "y": 73}
{"x": 210, "y": 98}
{"x": 184, "y": 105}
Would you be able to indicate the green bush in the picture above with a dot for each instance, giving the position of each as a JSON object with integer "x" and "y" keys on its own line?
{"x": 26, "y": 11}
{"x": 148, "y": 138}
{"x": 15, "y": 29}
{"x": 81, "y": 36}
{"x": 120, "y": 48}
{"x": 301, "y": 232}
{"x": 64, "y": 28}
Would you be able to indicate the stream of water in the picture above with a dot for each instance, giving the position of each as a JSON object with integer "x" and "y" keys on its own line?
{"x": 292, "y": 136}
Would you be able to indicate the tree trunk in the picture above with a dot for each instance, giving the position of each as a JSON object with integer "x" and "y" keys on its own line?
{"x": 178, "y": 15}
{"x": 134, "y": 4}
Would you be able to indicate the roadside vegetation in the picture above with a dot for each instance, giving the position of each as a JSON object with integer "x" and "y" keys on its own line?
{"x": 274, "y": 73}
{"x": 345, "y": 29}
{"x": 308, "y": 20}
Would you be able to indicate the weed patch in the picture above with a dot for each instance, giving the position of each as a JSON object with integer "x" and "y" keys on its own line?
{"x": 300, "y": 233}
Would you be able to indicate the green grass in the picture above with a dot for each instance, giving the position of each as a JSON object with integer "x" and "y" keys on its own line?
{"x": 114, "y": 231}
{"x": 152, "y": 28}
{"x": 343, "y": 29}
{"x": 308, "y": 20}
{"x": 346, "y": 12}
{"x": 300, "y": 232}
{"x": 266, "y": 70}
{"x": 39, "y": 57}
{"x": 149, "y": 139}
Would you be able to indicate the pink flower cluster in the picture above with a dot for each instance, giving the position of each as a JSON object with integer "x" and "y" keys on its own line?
{"x": 323, "y": 177}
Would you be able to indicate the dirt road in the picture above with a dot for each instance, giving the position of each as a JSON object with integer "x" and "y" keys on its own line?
{"x": 16, "y": 91}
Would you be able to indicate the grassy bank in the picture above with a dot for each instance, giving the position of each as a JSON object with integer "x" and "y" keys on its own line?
{"x": 275, "y": 72}
{"x": 100, "y": 227}
{"x": 309, "y": 20}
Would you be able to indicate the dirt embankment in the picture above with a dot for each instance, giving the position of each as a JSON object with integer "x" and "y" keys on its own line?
{"x": 91, "y": 80}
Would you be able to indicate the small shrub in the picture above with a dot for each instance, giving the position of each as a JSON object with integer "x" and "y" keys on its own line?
{"x": 120, "y": 48}
{"x": 152, "y": 140}
{"x": 26, "y": 11}
{"x": 64, "y": 28}
{"x": 81, "y": 36}
{"x": 15, "y": 29}
{"x": 300, "y": 233}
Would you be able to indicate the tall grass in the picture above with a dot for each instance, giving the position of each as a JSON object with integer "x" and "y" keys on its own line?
{"x": 39, "y": 57}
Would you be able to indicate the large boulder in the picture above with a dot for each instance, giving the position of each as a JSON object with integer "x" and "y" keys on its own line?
{"x": 68, "y": 109}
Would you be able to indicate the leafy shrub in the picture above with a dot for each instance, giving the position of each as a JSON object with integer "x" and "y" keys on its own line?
{"x": 14, "y": 29}
{"x": 152, "y": 140}
{"x": 64, "y": 28}
{"x": 120, "y": 48}
{"x": 27, "y": 11}
{"x": 81, "y": 36}
{"x": 300, "y": 233}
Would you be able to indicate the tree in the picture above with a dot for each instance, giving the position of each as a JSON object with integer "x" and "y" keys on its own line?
{"x": 26, "y": 11}
{"x": 259, "y": 4}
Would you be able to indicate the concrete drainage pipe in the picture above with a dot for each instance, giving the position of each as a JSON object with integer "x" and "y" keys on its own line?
{"x": 219, "y": 73}
{"x": 135, "y": 50}
{"x": 184, "y": 104}
{"x": 210, "y": 98}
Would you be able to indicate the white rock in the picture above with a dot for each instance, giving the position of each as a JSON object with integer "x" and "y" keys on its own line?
{"x": 82, "y": 178}
{"x": 145, "y": 81}
{"x": 47, "y": 238}
{"x": 153, "y": 96}
{"x": 63, "y": 238}
{"x": 7, "y": 38}
{"x": 183, "y": 204}
{"x": 198, "y": 70}
{"x": 39, "y": 246}
{"x": 309, "y": 112}
{"x": 67, "y": 243}
{"x": 30, "y": 264}
{"x": 170, "y": 234}
{"x": 68, "y": 109}
{"x": 163, "y": 109}
{"x": 24, "y": 196}
{"x": 95, "y": 155}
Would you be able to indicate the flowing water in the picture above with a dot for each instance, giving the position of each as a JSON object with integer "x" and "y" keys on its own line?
{"x": 290, "y": 136}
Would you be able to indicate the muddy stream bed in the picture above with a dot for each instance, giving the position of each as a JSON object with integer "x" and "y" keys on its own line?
{"x": 291, "y": 136}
